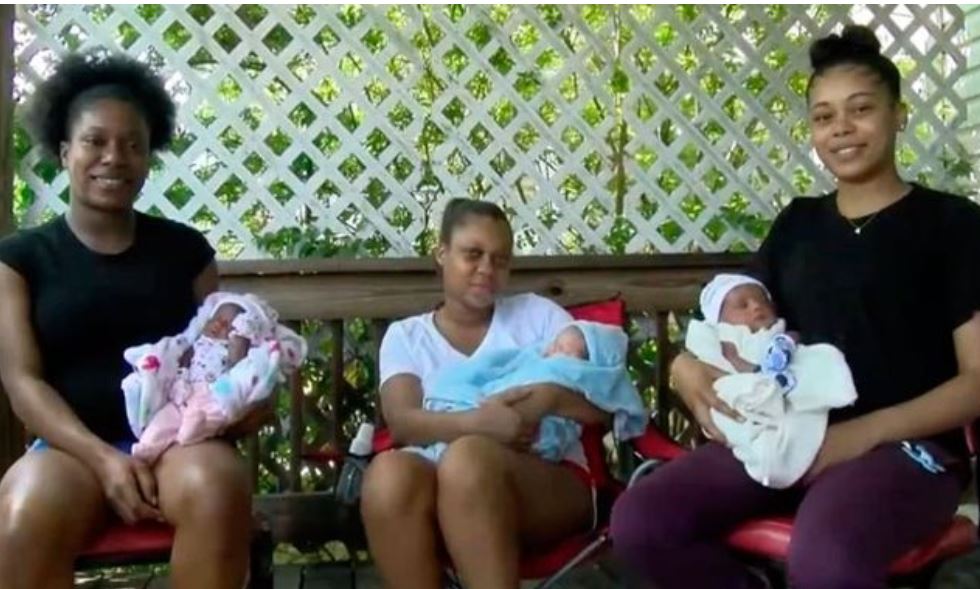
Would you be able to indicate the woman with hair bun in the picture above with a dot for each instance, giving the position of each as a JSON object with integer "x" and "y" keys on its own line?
{"x": 75, "y": 293}
{"x": 886, "y": 270}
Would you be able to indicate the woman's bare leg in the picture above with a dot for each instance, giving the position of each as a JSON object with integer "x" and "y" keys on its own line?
{"x": 205, "y": 493}
{"x": 494, "y": 501}
{"x": 50, "y": 504}
{"x": 398, "y": 509}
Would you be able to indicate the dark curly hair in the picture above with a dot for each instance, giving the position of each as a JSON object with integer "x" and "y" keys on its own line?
{"x": 856, "y": 45}
{"x": 459, "y": 210}
{"x": 83, "y": 78}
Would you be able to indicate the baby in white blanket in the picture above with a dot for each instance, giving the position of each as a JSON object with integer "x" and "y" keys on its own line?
{"x": 783, "y": 389}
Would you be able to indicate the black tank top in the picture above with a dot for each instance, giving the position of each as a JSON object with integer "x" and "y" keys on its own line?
{"x": 86, "y": 307}
{"x": 888, "y": 296}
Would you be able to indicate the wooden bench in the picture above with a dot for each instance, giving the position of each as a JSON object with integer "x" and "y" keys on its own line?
{"x": 656, "y": 289}
{"x": 372, "y": 292}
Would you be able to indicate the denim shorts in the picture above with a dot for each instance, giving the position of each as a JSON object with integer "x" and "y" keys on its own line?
{"x": 125, "y": 446}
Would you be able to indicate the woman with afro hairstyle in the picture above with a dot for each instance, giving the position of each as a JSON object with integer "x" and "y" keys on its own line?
{"x": 76, "y": 292}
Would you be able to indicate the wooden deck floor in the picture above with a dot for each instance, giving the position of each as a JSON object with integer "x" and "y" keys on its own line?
{"x": 323, "y": 577}
{"x": 336, "y": 577}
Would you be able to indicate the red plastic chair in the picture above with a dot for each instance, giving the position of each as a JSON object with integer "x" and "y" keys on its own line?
{"x": 120, "y": 544}
{"x": 552, "y": 564}
{"x": 151, "y": 542}
{"x": 768, "y": 538}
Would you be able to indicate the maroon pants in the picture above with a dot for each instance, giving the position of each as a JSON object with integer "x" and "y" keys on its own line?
{"x": 851, "y": 522}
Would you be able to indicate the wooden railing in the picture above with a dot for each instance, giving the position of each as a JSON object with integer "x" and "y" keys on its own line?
{"x": 336, "y": 292}
{"x": 657, "y": 289}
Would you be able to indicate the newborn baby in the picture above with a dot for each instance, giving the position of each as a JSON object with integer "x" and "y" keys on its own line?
{"x": 219, "y": 347}
{"x": 784, "y": 390}
{"x": 587, "y": 357}
{"x": 188, "y": 388}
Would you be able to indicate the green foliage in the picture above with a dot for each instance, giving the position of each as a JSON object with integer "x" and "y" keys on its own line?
{"x": 631, "y": 74}
{"x": 667, "y": 119}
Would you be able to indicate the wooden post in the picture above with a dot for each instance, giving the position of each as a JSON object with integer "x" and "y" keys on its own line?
{"x": 663, "y": 402}
{"x": 296, "y": 427}
{"x": 337, "y": 385}
{"x": 11, "y": 431}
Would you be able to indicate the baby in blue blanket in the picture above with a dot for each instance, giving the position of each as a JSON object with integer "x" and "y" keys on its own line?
{"x": 587, "y": 357}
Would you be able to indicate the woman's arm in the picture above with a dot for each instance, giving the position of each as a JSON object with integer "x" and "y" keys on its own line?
{"x": 952, "y": 404}
{"x": 536, "y": 401}
{"x": 39, "y": 406}
{"x": 693, "y": 380}
{"x": 206, "y": 282}
{"x": 128, "y": 483}
{"x": 401, "y": 404}
{"x": 570, "y": 404}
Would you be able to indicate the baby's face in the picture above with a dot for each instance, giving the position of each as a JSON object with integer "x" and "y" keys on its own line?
{"x": 219, "y": 325}
{"x": 748, "y": 305}
{"x": 569, "y": 342}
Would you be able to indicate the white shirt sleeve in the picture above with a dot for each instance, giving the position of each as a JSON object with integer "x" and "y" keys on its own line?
{"x": 395, "y": 356}
{"x": 552, "y": 318}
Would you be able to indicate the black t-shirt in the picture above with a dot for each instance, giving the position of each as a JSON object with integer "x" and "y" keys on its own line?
{"x": 889, "y": 297}
{"x": 86, "y": 307}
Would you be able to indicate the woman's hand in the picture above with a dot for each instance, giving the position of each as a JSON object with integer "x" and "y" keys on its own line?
{"x": 253, "y": 420}
{"x": 532, "y": 405}
{"x": 844, "y": 441}
{"x": 130, "y": 487}
{"x": 500, "y": 419}
{"x": 694, "y": 383}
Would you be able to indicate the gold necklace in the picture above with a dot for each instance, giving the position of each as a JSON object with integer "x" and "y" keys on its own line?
{"x": 859, "y": 226}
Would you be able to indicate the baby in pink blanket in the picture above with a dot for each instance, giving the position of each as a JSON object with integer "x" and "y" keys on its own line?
{"x": 219, "y": 347}
{"x": 188, "y": 388}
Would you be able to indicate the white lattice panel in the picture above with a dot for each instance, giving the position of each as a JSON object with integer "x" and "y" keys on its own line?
{"x": 609, "y": 128}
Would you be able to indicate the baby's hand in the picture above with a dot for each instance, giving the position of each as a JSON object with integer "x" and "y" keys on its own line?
{"x": 237, "y": 349}
{"x": 185, "y": 359}
{"x": 730, "y": 353}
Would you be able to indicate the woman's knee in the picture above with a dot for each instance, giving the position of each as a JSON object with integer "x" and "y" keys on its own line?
{"x": 204, "y": 483}
{"x": 471, "y": 466}
{"x": 821, "y": 558}
{"x": 47, "y": 502}
{"x": 648, "y": 517}
{"x": 397, "y": 484}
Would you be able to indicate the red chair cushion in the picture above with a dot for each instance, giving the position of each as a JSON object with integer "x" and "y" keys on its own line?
{"x": 769, "y": 538}
{"x": 548, "y": 562}
{"x": 382, "y": 440}
{"x": 958, "y": 538}
{"x": 119, "y": 542}
{"x": 654, "y": 445}
{"x": 610, "y": 312}
{"x": 766, "y": 537}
